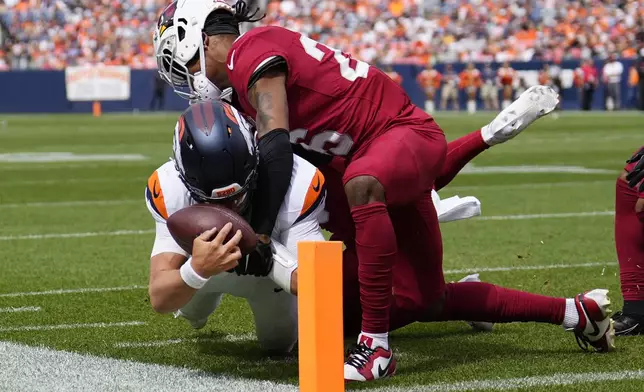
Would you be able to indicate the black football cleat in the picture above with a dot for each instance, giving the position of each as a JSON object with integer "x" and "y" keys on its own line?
{"x": 628, "y": 325}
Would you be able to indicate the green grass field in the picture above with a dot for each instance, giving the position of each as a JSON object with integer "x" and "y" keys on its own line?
{"x": 82, "y": 224}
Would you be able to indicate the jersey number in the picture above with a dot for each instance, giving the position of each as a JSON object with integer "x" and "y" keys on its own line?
{"x": 327, "y": 142}
{"x": 350, "y": 74}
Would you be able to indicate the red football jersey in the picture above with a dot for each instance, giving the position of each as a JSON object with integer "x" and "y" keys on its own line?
{"x": 337, "y": 104}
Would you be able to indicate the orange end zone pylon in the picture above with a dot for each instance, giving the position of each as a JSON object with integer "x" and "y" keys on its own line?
{"x": 321, "y": 340}
{"x": 97, "y": 111}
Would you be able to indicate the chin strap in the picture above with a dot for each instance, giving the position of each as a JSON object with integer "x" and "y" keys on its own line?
{"x": 202, "y": 87}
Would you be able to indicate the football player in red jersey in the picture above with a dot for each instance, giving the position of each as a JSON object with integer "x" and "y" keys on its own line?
{"x": 329, "y": 103}
{"x": 629, "y": 242}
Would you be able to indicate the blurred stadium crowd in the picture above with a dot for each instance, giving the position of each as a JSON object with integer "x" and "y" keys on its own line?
{"x": 53, "y": 34}
{"x": 50, "y": 34}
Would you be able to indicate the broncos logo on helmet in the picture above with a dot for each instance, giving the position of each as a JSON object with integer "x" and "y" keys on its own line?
{"x": 216, "y": 155}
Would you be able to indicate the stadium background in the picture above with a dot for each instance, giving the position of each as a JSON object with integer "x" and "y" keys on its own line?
{"x": 75, "y": 235}
{"x": 48, "y": 35}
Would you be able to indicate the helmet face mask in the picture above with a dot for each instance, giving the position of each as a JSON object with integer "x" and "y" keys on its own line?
{"x": 215, "y": 155}
{"x": 178, "y": 39}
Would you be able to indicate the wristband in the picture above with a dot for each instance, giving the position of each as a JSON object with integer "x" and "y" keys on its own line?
{"x": 284, "y": 263}
{"x": 190, "y": 276}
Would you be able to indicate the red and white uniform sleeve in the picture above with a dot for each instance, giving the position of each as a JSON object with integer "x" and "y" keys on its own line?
{"x": 250, "y": 53}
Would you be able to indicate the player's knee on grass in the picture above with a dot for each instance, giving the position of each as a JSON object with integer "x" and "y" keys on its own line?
{"x": 363, "y": 190}
{"x": 275, "y": 315}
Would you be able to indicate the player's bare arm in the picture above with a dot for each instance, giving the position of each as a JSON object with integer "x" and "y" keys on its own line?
{"x": 174, "y": 278}
{"x": 268, "y": 97}
{"x": 168, "y": 292}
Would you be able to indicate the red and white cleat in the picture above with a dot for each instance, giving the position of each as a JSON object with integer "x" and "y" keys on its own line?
{"x": 595, "y": 330}
{"x": 367, "y": 364}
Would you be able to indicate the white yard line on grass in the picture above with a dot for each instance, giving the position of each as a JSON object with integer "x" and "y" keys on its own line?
{"x": 545, "y": 216}
{"x": 74, "y": 235}
{"x": 72, "y": 291}
{"x": 141, "y": 232}
{"x": 54, "y": 157}
{"x": 63, "y": 181}
{"x": 76, "y": 203}
{"x": 23, "y": 328}
{"x": 43, "y": 369}
{"x": 537, "y": 185}
{"x": 160, "y": 343}
{"x": 87, "y": 290}
{"x": 20, "y": 310}
{"x": 529, "y": 267}
{"x": 474, "y": 169}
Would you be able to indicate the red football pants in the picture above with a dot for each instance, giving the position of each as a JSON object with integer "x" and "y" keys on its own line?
{"x": 406, "y": 160}
{"x": 629, "y": 242}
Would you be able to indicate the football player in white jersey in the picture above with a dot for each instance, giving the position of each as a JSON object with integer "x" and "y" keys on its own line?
{"x": 214, "y": 143}
{"x": 208, "y": 134}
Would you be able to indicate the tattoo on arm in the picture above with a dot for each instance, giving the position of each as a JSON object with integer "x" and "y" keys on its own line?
{"x": 264, "y": 107}
{"x": 268, "y": 96}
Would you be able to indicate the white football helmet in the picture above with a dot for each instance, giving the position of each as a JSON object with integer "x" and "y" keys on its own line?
{"x": 178, "y": 38}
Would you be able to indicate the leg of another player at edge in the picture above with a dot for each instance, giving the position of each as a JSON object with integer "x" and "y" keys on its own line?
{"x": 480, "y": 301}
{"x": 524, "y": 110}
{"x": 629, "y": 243}
{"x": 376, "y": 248}
{"x": 459, "y": 153}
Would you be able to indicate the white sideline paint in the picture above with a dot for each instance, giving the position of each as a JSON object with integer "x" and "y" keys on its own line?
{"x": 44, "y": 370}
{"x": 528, "y": 267}
{"x": 74, "y": 235}
{"x": 472, "y": 169}
{"x": 39, "y": 157}
{"x": 77, "y": 203}
{"x": 521, "y": 383}
{"x": 23, "y": 328}
{"x": 20, "y": 310}
{"x": 544, "y": 216}
{"x": 72, "y": 291}
{"x": 160, "y": 343}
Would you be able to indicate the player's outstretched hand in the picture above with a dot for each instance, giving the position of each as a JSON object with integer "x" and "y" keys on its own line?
{"x": 259, "y": 262}
{"x": 636, "y": 176}
{"x": 212, "y": 255}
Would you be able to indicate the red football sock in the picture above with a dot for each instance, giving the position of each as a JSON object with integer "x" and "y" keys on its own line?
{"x": 629, "y": 242}
{"x": 376, "y": 248}
{"x": 459, "y": 153}
{"x": 479, "y": 301}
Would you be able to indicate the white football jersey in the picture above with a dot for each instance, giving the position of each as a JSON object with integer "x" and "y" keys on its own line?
{"x": 297, "y": 219}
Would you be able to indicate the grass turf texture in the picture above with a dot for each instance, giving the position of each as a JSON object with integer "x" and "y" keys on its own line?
{"x": 428, "y": 353}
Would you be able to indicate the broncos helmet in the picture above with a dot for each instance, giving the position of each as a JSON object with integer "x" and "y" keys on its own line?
{"x": 216, "y": 155}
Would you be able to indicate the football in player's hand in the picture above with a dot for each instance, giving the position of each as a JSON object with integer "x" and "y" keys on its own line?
{"x": 188, "y": 223}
